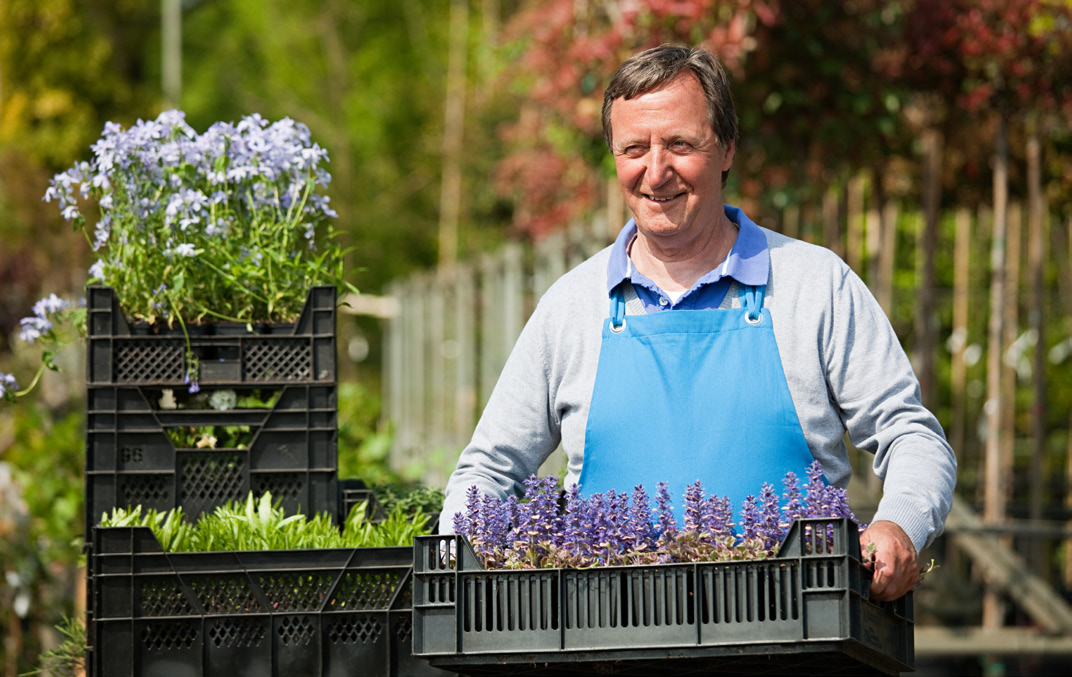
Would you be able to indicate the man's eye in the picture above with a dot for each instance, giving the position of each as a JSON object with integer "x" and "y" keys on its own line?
{"x": 633, "y": 151}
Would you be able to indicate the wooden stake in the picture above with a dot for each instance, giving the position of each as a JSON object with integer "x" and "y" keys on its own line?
{"x": 994, "y": 496}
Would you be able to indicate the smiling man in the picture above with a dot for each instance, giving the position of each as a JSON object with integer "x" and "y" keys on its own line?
{"x": 701, "y": 346}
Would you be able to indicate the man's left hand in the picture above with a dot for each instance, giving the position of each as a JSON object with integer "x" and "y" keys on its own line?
{"x": 894, "y": 562}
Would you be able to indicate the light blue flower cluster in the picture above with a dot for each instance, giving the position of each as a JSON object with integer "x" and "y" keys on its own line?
{"x": 178, "y": 205}
{"x": 252, "y": 167}
{"x": 40, "y": 323}
{"x": 618, "y": 528}
{"x": 8, "y": 386}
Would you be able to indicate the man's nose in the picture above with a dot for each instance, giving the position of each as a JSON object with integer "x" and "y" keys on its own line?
{"x": 659, "y": 166}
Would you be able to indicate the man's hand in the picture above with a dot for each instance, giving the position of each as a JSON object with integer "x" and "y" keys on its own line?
{"x": 892, "y": 559}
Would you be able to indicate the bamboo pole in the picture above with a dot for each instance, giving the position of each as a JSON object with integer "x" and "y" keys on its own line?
{"x": 1037, "y": 322}
{"x": 854, "y": 225}
{"x": 831, "y": 225}
{"x": 961, "y": 307}
{"x": 1067, "y": 278}
{"x": 888, "y": 225}
{"x": 171, "y": 52}
{"x": 1010, "y": 347}
{"x": 465, "y": 324}
{"x": 994, "y": 495}
{"x": 453, "y": 133}
{"x": 926, "y": 332}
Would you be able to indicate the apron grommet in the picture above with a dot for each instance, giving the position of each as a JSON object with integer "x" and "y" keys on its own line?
{"x": 753, "y": 321}
{"x": 619, "y": 328}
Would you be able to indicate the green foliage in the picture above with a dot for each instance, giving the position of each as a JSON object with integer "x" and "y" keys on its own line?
{"x": 258, "y": 525}
{"x": 368, "y": 78}
{"x": 364, "y": 443}
{"x": 41, "y": 518}
{"x": 409, "y": 500}
{"x": 47, "y": 453}
{"x": 69, "y": 658}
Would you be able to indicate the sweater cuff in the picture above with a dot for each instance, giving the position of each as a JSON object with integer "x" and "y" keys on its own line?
{"x": 915, "y": 521}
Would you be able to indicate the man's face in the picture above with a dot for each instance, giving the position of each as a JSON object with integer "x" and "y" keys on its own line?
{"x": 669, "y": 160}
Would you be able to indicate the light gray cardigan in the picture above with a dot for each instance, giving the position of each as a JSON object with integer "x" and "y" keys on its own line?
{"x": 844, "y": 365}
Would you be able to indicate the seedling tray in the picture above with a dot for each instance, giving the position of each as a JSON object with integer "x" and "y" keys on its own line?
{"x": 292, "y": 452}
{"x": 314, "y": 613}
{"x": 806, "y": 610}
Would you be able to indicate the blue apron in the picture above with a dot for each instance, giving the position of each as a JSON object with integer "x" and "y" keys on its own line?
{"x": 686, "y": 395}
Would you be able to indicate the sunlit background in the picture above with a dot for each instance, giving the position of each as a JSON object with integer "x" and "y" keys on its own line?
{"x": 928, "y": 142}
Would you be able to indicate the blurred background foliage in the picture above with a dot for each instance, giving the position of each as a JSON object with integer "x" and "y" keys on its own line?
{"x": 826, "y": 91}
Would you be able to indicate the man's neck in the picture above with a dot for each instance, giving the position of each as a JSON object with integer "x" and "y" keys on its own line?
{"x": 676, "y": 268}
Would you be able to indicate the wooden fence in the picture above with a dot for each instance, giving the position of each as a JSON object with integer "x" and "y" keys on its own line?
{"x": 451, "y": 334}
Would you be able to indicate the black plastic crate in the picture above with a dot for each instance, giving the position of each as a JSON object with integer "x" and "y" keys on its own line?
{"x": 131, "y": 459}
{"x": 353, "y": 491}
{"x": 228, "y": 353}
{"x": 315, "y": 613}
{"x": 806, "y": 610}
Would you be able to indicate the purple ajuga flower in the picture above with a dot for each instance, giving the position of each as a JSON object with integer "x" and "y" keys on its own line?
{"x": 694, "y": 497}
{"x": 716, "y": 521}
{"x": 613, "y": 523}
{"x": 464, "y": 521}
{"x": 667, "y": 523}
{"x": 639, "y": 531}
{"x": 794, "y": 505}
{"x": 815, "y": 499}
{"x": 751, "y": 519}
{"x": 769, "y": 528}
{"x": 575, "y": 541}
{"x": 538, "y": 523}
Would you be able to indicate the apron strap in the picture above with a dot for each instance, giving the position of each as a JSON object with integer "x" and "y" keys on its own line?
{"x": 624, "y": 301}
{"x": 752, "y": 301}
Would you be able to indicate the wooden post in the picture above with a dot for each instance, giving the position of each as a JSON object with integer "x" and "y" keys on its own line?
{"x": 490, "y": 327}
{"x": 831, "y": 226}
{"x": 465, "y": 414}
{"x": 926, "y": 331}
{"x": 1066, "y": 277}
{"x": 1037, "y": 320}
{"x": 453, "y": 133}
{"x": 395, "y": 360}
{"x": 888, "y": 225}
{"x": 960, "y": 336}
{"x": 854, "y": 225}
{"x": 1010, "y": 352}
{"x": 994, "y": 494}
{"x": 513, "y": 277}
{"x": 435, "y": 399}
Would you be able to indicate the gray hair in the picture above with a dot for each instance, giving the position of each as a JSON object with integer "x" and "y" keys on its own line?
{"x": 653, "y": 68}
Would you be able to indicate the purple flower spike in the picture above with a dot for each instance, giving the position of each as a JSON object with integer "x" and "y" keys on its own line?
{"x": 769, "y": 528}
{"x": 750, "y": 519}
{"x": 667, "y": 523}
{"x": 815, "y": 499}
{"x": 794, "y": 504}
{"x": 693, "y": 506}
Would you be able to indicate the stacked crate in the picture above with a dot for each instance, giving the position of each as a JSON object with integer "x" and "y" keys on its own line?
{"x": 288, "y": 612}
{"x": 136, "y": 374}
{"x": 313, "y": 613}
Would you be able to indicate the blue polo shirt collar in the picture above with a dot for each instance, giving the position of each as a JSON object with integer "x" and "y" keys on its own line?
{"x": 748, "y": 262}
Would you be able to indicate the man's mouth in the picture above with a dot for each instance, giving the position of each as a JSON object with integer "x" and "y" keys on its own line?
{"x": 667, "y": 198}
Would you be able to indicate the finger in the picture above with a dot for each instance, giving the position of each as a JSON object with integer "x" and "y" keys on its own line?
{"x": 879, "y": 582}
